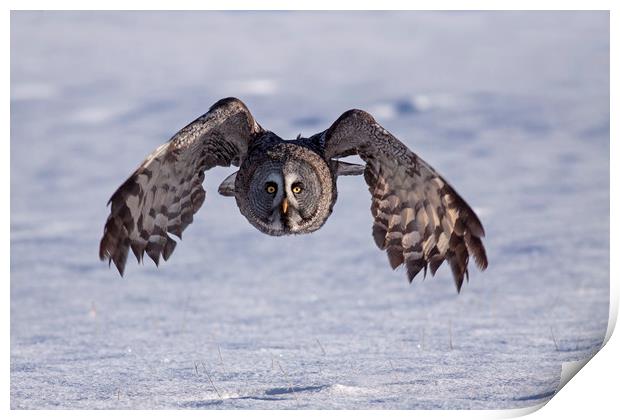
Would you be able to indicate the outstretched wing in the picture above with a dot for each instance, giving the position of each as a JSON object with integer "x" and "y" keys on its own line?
{"x": 419, "y": 219}
{"x": 163, "y": 194}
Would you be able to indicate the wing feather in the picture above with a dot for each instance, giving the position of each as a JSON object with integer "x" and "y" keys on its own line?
{"x": 161, "y": 197}
{"x": 419, "y": 219}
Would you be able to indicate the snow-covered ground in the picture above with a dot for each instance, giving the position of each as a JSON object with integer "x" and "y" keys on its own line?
{"x": 513, "y": 108}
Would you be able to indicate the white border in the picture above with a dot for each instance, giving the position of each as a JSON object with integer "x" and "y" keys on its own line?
{"x": 592, "y": 393}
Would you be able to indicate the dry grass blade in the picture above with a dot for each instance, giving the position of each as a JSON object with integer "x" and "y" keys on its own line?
{"x": 557, "y": 347}
{"x": 290, "y": 384}
{"x": 211, "y": 380}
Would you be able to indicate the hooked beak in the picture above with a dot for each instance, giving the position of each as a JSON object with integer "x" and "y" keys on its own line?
{"x": 284, "y": 205}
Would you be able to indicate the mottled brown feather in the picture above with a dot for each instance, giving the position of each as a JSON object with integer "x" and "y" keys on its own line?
{"x": 419, "y": 219}
{"x": 164, "y": 193}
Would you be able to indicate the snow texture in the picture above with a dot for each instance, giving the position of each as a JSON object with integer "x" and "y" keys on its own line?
{"x": 512, "y": 108}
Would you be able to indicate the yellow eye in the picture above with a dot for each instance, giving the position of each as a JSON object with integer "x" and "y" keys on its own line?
{"x": 296, "y": 189}
{"x": 270, "y": 188}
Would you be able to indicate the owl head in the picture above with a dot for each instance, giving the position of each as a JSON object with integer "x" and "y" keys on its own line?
{"x": 285, "y": 188}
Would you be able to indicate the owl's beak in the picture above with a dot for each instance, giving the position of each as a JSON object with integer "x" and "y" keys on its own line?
{"x": 284, "y": 205}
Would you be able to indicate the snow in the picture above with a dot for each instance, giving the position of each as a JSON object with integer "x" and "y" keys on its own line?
{"x": 512, "y": 108}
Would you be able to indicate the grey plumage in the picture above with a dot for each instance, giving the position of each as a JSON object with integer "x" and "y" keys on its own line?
{"x": 419, "y": 219}
{"x": 165, "y": 192}
{"x": 289, "y": 187}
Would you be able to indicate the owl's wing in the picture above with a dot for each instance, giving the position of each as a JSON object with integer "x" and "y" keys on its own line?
{"x": 419, "y": 219}
{"x": 163, "y": 194}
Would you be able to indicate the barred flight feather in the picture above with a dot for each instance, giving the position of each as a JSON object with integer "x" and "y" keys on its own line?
{"x": 161, "y": 197}
{"x": 419, "y": 219}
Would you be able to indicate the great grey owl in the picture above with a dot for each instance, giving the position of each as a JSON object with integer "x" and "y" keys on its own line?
{"x": 289, "y": 187}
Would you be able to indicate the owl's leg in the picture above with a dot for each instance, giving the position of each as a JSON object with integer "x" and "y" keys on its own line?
{"x": 227, "y": 187}
{"x": 346, "y": 168}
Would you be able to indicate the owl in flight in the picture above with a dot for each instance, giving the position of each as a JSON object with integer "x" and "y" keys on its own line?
{"x": 288, "y": 187}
